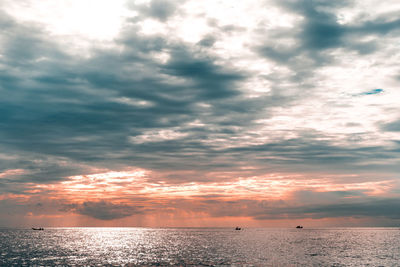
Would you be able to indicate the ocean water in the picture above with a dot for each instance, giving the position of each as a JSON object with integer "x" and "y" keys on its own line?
{"x": 200, "y": 247}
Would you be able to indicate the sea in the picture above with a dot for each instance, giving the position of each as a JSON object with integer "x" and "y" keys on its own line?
{"x": 200, "y": 247}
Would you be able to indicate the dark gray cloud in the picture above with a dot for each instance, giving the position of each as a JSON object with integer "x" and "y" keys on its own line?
{"x": 157, "y": 9}
{"x": 309, "y": 154}
{"x": 387, "y": 208}
{"x": 105, "y": 211}
{"x": 376, "y": 208}
{"x": 208, "y": 41}
{"x": 393, "y": 126}
{"x": 319, "y": 30}
{"x": 161, "y": 9}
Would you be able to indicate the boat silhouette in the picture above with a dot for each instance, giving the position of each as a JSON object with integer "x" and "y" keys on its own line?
{"x": 299, "y": 227}
{"x": 38, "y": 229}
{"x": 238, "y": 228}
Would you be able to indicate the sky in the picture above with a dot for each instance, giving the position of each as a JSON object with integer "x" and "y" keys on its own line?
{"x": 185, "y": 113}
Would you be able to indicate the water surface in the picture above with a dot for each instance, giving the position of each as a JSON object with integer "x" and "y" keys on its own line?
{"x": 201, "y": 246}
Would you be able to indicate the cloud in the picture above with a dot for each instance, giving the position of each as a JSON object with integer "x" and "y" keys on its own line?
{"x": 318, "y": 31}
{"x": 307, "y": 204}
{"x": 161, "y": 9}
{"x": 208, "y": 41}
{"x": 304, "y": 205}
{"x": 158, "y": 9}
{"x": 375, "y": 208}
{"x": 393, "y": 126}
{"x": 93, "y": 109}
{"x": 72, "y": 107}
{"x": 386, "y": 208}
{"x": 103, "y": 210}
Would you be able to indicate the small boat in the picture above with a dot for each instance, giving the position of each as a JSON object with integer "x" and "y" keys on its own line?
{"x": 38, "y": 229}
{"x": 299, "y": 227}
{"x": 238, "y": 228}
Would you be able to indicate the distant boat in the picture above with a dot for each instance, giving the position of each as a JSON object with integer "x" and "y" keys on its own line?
{"x": 238, "y": 228}
{"x": 38, "y": 229}
{"x": 299, "y": 227}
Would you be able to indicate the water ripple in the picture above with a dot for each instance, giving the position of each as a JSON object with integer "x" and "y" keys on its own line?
{"x": 200, "y": 247}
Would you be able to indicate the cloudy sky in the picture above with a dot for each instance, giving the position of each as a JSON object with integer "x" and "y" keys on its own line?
{"x": 199, "y": 113}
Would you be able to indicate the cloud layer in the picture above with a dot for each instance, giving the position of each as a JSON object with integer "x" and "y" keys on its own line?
{"x": 203, "y": 97}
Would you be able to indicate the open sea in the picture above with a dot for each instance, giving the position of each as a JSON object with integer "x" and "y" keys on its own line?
{"x": 200, "y": 247}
